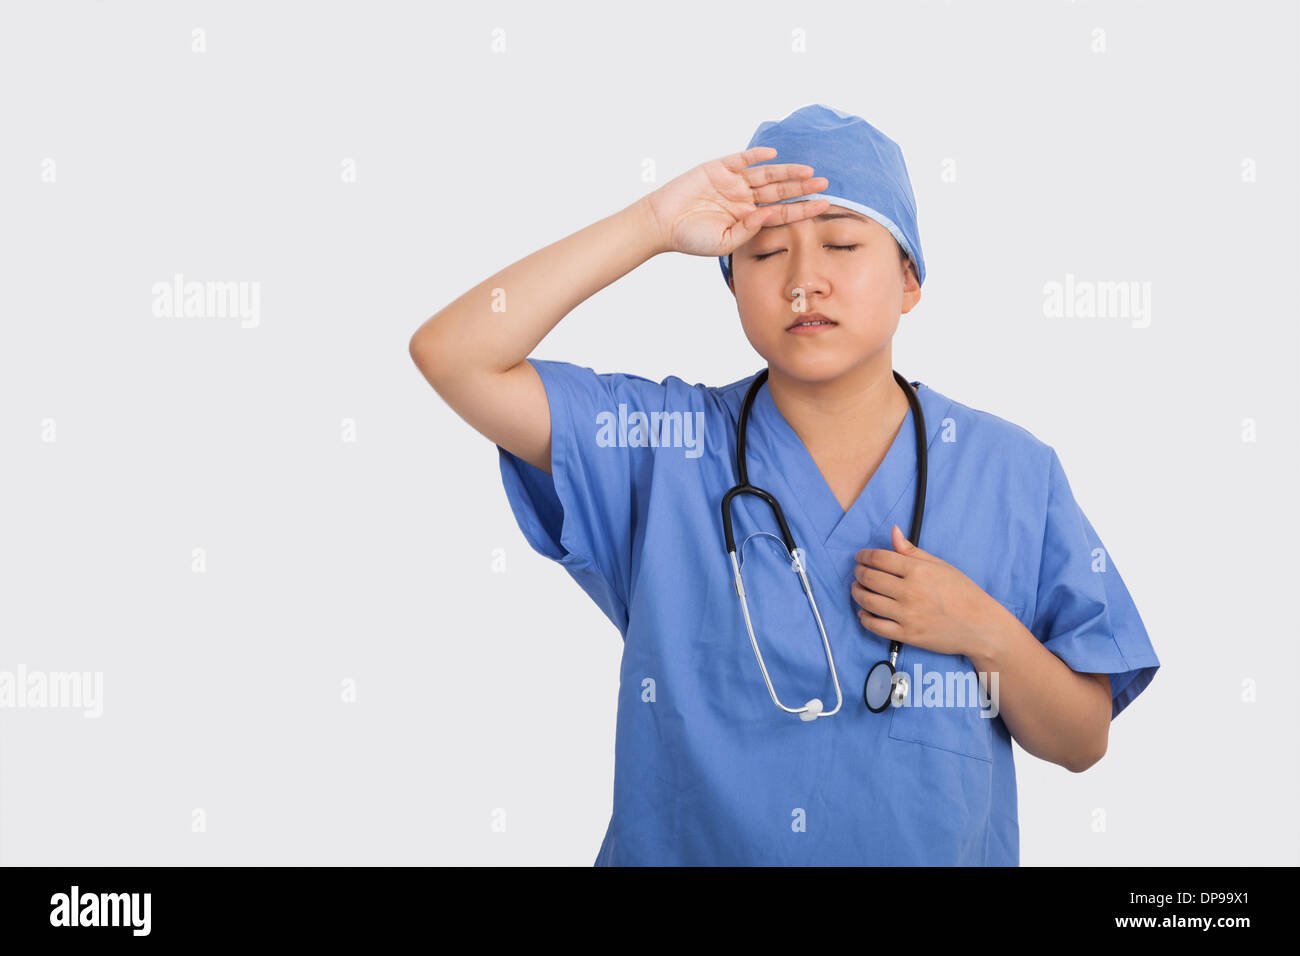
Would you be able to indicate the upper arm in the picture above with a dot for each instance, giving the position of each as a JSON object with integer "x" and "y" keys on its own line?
{"x": 1104, "y": 699}
{"x": 509, "y": 408}
{"x": 1103, "y": 706}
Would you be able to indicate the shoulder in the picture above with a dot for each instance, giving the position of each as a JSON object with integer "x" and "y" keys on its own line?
{"x": 628, "y": 410}
{"x": 722, "y": 400}
{"x": 670, "y": 393}
{"x": 990, "y": 437}
{"x": 672, "y": 388}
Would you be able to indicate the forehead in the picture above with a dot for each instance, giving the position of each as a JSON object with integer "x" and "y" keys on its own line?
{"x": 834, "y": 212}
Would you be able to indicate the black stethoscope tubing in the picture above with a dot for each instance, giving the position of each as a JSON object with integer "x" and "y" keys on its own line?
{"x": 743, "y": 487}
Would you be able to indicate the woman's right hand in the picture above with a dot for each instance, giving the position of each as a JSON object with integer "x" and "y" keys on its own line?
{"x": 713, "y": 209}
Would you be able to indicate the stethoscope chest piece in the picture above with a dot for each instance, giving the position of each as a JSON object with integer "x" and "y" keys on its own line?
{"x": 878, "y": 687}
{"x": 900, "y": 689}
{"x": 884, "y": 686}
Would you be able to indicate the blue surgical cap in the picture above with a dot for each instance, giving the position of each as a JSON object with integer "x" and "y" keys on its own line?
{"x": 863, "y": 166}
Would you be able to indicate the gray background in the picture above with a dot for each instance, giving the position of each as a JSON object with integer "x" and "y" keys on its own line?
{"x": 372, "y": 560}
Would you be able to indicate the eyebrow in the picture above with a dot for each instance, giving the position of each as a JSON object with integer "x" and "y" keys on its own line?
{"x": 837, "y": 214}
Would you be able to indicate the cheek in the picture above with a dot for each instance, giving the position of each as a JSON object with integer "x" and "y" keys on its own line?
{"x": 759, "y": 310}
{"x": 874, "y": 286}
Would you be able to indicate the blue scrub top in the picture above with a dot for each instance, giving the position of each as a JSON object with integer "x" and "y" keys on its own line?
{"x": 707, "y": 769}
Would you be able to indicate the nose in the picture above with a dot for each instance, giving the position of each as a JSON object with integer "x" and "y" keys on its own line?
{"x": 806, "y": 274}
{"x": 812, "y": 284}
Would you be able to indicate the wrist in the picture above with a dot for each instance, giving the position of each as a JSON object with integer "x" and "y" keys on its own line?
{"x": 643, "y": 220}
{"x": 989, "y": 640}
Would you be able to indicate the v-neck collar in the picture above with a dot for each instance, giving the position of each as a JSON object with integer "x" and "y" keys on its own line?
{"x": 894, "y": 477}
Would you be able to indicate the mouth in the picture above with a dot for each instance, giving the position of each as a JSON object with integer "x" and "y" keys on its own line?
{"x": 811, "y": 322}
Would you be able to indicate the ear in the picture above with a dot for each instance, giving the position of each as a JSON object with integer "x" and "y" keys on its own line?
{"x": 911, "y": 287}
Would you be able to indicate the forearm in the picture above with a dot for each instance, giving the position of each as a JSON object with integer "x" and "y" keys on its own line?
{"x": 1053, "y": 712}
{"x": 497, "y": 324}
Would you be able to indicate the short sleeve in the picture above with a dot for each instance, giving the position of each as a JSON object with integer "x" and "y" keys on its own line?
{"x": 584, "y": 514}
{"x": 1085, "y": 615}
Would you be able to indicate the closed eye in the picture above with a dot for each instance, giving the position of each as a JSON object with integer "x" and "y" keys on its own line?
{"x": 774, "y": 252}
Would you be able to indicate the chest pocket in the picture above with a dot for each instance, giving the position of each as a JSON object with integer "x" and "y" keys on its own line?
{"x": 947, "y": 708}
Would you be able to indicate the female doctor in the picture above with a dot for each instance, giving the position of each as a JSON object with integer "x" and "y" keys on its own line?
{"x": 748, "y": 731}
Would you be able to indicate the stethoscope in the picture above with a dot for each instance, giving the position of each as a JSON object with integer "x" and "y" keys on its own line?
{"x": 884, "y": 684}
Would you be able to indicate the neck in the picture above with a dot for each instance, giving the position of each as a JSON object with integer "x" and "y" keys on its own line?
{"x": 847, "y": 418}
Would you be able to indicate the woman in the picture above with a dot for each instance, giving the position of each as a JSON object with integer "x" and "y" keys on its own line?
{"x": 746, "y": 729}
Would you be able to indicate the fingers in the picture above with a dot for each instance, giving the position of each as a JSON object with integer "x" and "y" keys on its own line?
{"x": 889, "y": 630}
{"x": 878, "y": 604}
{"x": 773, "y": 192}
{"x": 748, "y": 226}
{"x": 772, "y": 183}
{"x": 878, "y": 599}
{"x": 882, "y": 582}
{"x": 882, "y": 558}
{"x": 878, "y": 614}
{"x": 792, "y": 172}
{"x": 796, "y": 211}
{"x": 745, "y": 228}
{"x": 770, "y": 173}
{"x": 737, "y": 162}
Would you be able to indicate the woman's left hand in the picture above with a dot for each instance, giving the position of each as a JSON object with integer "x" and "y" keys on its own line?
{"x": 911, "y": 596}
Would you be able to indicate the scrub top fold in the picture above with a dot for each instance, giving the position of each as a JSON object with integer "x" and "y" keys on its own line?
{"x": 584, "y": 514}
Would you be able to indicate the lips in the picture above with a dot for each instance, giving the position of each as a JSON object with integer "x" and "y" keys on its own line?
{"x": 811, "y": 320}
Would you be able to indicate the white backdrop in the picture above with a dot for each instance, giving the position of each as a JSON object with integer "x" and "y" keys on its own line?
{"x": 274, "y": 543}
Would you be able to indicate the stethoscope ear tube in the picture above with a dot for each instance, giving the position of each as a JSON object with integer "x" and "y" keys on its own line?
{"x": 786, "y": 537}
{"x": 922, "y": 458}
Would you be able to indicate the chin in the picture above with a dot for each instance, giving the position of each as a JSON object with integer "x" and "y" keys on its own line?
{"x": 810, "y": 368}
